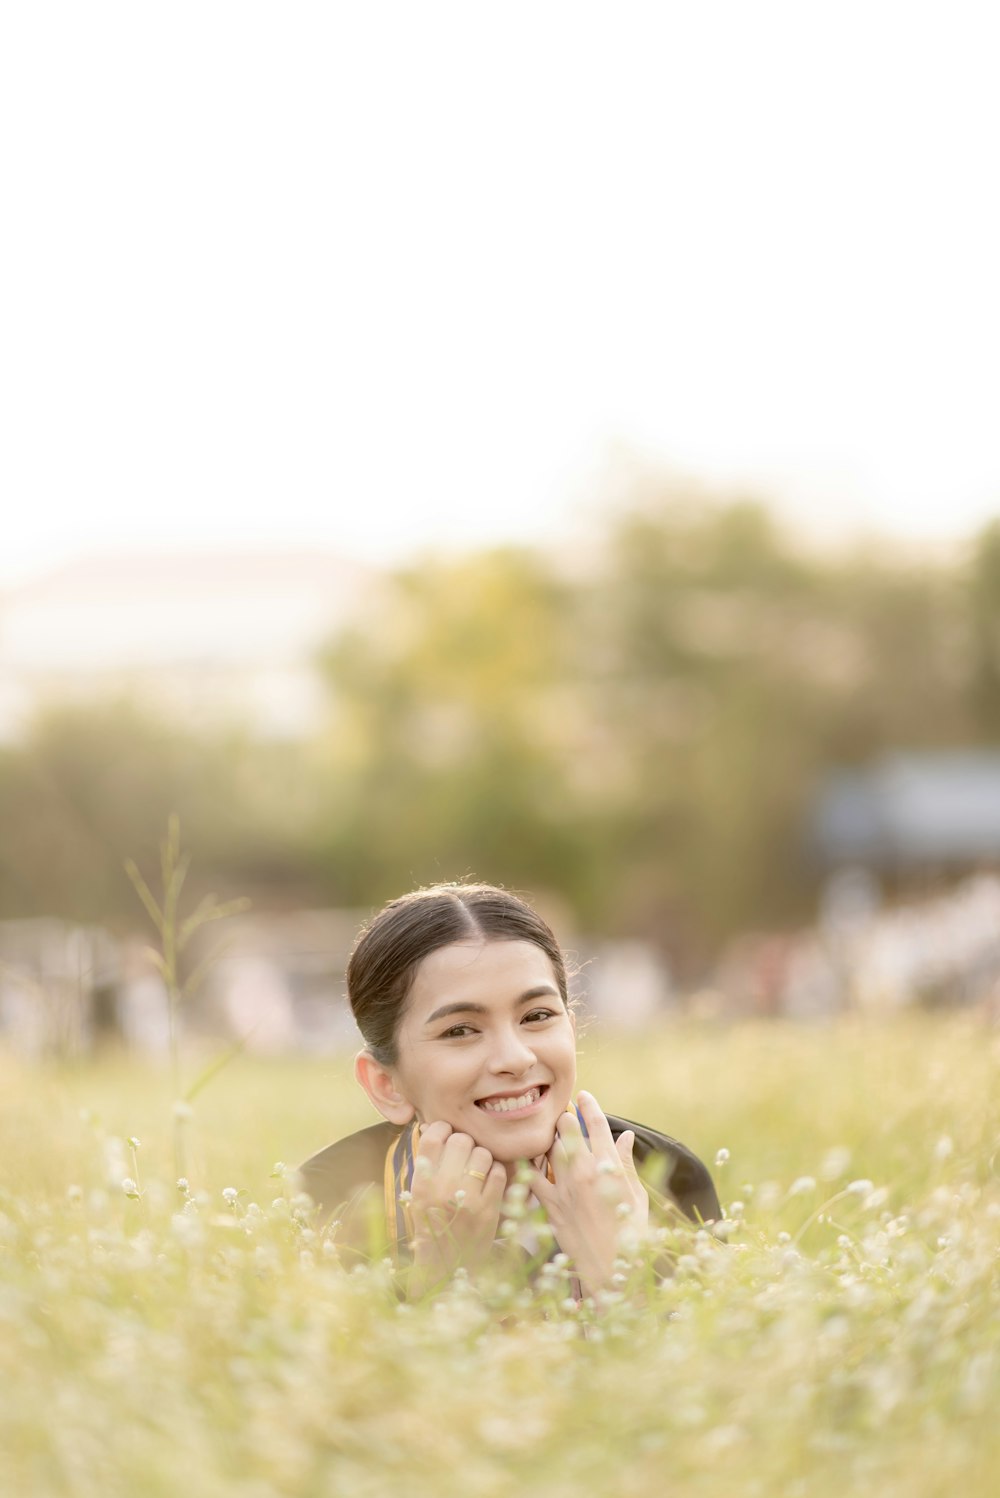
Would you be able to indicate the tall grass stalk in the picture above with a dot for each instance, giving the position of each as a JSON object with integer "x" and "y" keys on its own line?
{"x": 175, "y": 934}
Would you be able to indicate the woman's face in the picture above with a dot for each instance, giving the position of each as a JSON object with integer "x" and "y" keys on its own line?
{"x": 487, "y": 1045}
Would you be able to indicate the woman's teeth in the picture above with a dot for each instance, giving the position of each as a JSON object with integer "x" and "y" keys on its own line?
{"x": 509, "y": 1104}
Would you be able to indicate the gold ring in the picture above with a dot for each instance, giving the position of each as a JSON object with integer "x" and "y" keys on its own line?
{"x": 478, "y": 1175}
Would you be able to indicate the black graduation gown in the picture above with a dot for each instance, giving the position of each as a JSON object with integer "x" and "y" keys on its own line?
{"x": 345, "y": 1176}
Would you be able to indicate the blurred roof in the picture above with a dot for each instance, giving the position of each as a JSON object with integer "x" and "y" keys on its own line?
{"x": 911, "y": 809}
{"x": 153, "y": 609}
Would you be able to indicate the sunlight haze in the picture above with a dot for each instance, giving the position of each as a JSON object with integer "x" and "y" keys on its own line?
{"x": 390, "y": 277}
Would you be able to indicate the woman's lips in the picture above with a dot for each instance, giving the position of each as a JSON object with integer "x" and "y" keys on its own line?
{"x": 513, "y": 1104}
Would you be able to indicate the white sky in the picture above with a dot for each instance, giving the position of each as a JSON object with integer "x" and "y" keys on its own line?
{"x": 378, "y": 276}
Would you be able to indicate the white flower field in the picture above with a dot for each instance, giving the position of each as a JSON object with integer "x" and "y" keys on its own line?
{"x": 200, "y": 1338}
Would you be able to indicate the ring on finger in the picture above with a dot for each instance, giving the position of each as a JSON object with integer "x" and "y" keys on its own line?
{"x": 477, "y": 1175}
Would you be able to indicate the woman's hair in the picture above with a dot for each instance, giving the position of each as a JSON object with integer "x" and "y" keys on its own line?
{"x": 389, "y": 949}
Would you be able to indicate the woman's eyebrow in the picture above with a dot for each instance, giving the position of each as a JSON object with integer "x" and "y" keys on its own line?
{"x": 542, "y": 990}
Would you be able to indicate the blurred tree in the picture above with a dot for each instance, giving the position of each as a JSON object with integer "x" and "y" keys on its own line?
{"x": 698, "y": 614}
{"x": 93, "y": 785}
{"x": 642, "y": 740}
{"x": 446, "y": 752}
{"x": 984, "y": 620}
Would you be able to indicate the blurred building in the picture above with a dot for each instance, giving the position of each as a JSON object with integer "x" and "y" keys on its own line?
{"x": 210, "y": 636}
{"x": 281, "y": 982}
{"x": 911, "y": 812}
{"x": 58, "y": 986}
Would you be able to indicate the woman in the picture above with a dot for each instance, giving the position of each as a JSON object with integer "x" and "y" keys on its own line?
{"x": 460, "y": 995}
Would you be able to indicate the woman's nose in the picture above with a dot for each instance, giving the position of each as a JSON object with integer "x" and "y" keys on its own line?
{"x": 512, "y": 1053}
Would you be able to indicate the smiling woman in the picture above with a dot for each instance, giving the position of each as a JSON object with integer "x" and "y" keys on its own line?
{"x": 460, "y": 993}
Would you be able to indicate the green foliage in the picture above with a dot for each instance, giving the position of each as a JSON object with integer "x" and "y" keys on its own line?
{"x": 639, "y": 738}
{"x": 93, "y": 784}
{"x": 984, "y": 608}
{"x": 445, "y": 751}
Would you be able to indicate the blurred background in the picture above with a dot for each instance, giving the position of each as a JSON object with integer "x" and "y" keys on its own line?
{"x": 554, "y": 446}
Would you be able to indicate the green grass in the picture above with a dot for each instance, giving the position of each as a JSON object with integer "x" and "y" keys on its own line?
{"x": 842, "y": 1341}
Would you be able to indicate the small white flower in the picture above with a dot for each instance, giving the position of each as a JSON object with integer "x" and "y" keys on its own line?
{"x": 459, "y": 1196}
{"x": 860, "y": 1188}
{"x": 784, "y": 1238}
{"x": 623, "y": 1210}
{"x": 278, "y": 1169}
{"x": 182, "y": 1184}
{"x": 943, "y": 1148}
{"x": 230, "y": 1194}
{"x": 835, "y": 1162}
{"x": 406, "y": 1196}
{"x": 801, "y": 1185}
{"x": 132, "y": 1142}
{"x": 721, "y": 1158}
{"x": 129, "y": 1187}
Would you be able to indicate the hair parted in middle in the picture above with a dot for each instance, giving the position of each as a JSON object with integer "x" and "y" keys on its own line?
{"x": 390, "y": 948}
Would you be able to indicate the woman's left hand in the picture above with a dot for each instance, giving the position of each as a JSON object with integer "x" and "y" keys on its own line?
{"x": 596, "y": 1195}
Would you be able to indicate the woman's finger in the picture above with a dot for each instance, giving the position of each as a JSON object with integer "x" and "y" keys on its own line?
{"x": 602, "y": 1141}
{"x": 478, "y": 1167}
{"x": 569, "y": 1135}
{"x": 545, "y": 1192}
{"x": 494, "y": 1186}
{"x": 625, "y": 1145}
{"x": 559, "y": 1157}
{"x": 430, "y": 1147}
{"x": 455, "y": 1159}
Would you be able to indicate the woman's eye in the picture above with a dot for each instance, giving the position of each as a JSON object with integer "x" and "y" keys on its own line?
{"x": 538, "y": 1014}
{"x": 457, "y": 1031}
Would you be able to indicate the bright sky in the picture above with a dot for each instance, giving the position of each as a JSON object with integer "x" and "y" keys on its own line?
{"x": 378, "y": 276}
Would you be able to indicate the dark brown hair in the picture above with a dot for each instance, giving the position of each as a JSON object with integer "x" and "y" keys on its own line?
{"x": 389, "y": 949}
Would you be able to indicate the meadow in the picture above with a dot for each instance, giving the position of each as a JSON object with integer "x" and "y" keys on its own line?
{"x": 840, "y": 1335}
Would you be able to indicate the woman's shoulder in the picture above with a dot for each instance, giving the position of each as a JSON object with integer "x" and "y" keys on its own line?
{"x": 337, "y": 1176}
{"x": 670, "y": 1166}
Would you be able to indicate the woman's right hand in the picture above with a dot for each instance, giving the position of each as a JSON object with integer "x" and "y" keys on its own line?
{"x": 456, "y": 1192}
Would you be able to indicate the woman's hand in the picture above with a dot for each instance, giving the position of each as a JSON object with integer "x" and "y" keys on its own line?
{"x": 596, "y": 1195}
{"x": 456, "y": 1193}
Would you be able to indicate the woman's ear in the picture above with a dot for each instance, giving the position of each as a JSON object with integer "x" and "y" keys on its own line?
{"x": 378, "y": 1083}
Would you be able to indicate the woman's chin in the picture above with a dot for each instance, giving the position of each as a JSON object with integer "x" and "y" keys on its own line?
{"x": 523, "y": 1144}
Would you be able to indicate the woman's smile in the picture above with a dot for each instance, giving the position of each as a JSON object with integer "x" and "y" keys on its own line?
{"x": 508, "y": 1103}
